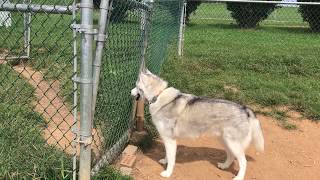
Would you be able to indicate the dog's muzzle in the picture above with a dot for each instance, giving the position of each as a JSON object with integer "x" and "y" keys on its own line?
{"x": 135, "y": 93}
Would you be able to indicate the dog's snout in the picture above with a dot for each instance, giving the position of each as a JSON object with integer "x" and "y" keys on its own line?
{"x": 134, "y": 92}
{"x": 137, "y": 97}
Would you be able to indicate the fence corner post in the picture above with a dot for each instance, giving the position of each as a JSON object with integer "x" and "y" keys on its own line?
{"x": 181, "y": 28}
{"x": 85, "y": 81}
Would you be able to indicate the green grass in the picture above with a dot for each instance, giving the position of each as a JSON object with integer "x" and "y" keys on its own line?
{"x": 270, "y": 66}
{"x": 281, "y": 117}
{"x": 51, "y": 46}
{"x": 109, "y": 173}
{"x": 24, "y": 154}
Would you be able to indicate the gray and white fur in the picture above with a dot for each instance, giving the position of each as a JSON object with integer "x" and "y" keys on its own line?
{"x": 176, "y": 114}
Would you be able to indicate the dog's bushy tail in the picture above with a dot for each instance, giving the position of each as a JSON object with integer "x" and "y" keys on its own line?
{"x": 257, "y": 136}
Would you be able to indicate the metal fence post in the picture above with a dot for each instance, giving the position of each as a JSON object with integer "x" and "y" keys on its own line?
{"x": 75, "y": 96}
{"x": 100, "y": 43}
{"x": 145, "y": 24}
{"x": 85, "y": 81}
{"x": 181, "y": 29}
{"x": 144, "y": 34}
{"x": 27, "y": 30}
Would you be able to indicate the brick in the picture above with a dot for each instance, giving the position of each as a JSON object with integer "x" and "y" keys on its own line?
{"x": 130, "y": 149}
{"x": 128, "y": 160}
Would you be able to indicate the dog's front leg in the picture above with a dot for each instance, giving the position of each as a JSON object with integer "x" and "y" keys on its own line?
{"x": 171, "y": 148}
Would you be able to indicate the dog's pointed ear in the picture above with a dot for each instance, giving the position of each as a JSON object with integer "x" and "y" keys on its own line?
{"x": 147, "y": 71}
{"x": 144, "y": 70}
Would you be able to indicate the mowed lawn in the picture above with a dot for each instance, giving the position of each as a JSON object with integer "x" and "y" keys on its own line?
{"x": 24, "y": 153}
{"x": 270, "y": 66}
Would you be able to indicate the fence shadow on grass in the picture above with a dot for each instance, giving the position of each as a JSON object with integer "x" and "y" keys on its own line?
{"x": 234, "y": 26}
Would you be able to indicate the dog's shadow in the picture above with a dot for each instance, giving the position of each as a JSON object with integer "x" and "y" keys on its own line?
{"x": 187, "y": 154}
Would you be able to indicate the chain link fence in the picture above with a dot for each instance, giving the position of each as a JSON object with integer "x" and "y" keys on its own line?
{"x": 40, "y": 129}
{"x": 263, "y": 53}
{"x": 251, "y": 14}
{"x": 44, "y": 130}
{"x": 36, "y": 91}
{"x": 136, "y": 32}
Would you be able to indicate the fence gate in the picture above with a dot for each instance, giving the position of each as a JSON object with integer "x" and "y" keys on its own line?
{"x": 38, "y": 99}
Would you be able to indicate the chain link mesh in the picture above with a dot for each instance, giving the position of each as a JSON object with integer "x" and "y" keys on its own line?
{"x": 251, "y": 15}
{"x": 119, "y": 70}
{"x": 258, "y": 53}
{"x": 164, "y": 31}
{"x": 36, "y": 66}
{"x": 122, "y": 60}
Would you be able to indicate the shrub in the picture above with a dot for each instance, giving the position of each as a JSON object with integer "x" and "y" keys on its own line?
{"x": 191, "y": 7}
{"x": 311, "y": 14}
{"x": 119, "y": 9}
{"x": 248, "y": 15}
{"x": 96, "y": 3}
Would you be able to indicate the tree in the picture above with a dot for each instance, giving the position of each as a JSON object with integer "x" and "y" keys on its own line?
{"x": 248, "y": 15}
{"x": 191, "y": 7}
{"x": 311, "y": 14}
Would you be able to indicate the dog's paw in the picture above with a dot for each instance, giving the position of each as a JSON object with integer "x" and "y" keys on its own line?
{"x": 237, "y": 178}
{"x": 163, "y": 161}
{"x": 223, "y": 166}
{"x": 165, "y": 174}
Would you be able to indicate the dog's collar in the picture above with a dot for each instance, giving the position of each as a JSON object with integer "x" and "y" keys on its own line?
{"x": 155, "y": 98}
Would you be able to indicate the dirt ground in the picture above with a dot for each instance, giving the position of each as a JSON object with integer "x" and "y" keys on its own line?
{"x": 289, "y": 155}
{"x": 54, "y": 110}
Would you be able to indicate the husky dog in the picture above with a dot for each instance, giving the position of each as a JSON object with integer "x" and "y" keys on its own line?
{"x": 176, "y": 114}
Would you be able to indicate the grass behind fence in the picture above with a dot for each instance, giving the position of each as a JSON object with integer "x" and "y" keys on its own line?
{"x": 271, "y": 66}
{"x": 121, "y": 64}
{"x": 24, "y": 154}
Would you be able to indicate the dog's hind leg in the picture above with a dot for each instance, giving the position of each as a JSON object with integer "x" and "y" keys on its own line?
{"x": 230, "y": 157}
{"x": 171, "y": 148}
{"x": 238, "y": 151}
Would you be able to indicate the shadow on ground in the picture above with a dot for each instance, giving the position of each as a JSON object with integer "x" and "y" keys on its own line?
{"x": 187, "y": 154}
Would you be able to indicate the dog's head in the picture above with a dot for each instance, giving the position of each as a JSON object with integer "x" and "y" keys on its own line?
{"x": 148, "y": 85}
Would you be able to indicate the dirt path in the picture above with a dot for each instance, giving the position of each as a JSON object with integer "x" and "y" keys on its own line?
{"x": 289, "y": 155}
{"x": 51, "y": 106}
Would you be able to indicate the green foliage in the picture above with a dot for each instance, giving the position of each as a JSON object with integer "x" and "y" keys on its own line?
{"x": 120, "y": 10}
{"x": 191, "y": 7}
{"x": 108, "y": 173}
{"x": 311, "y": 14}
{"x": 248, "y": 15}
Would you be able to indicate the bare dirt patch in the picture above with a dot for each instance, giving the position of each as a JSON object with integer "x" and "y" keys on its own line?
{"x": 291, "y": 155}
{"x": 55, "y": 111}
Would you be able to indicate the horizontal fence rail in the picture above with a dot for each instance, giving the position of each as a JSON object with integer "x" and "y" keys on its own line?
{"x": 263, "y": 2}
{"x": 36, "y": 8}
